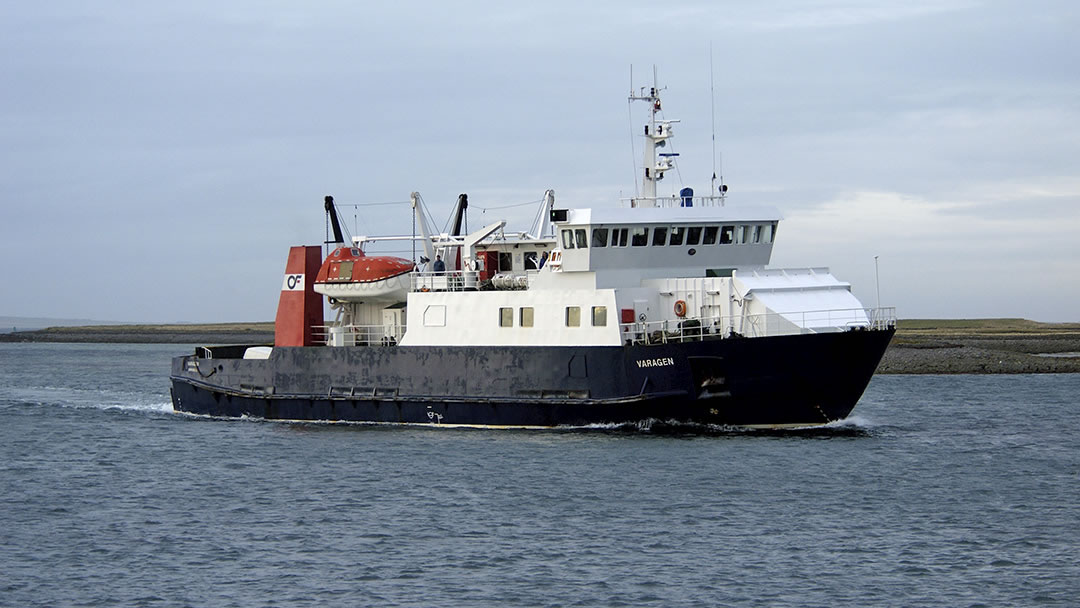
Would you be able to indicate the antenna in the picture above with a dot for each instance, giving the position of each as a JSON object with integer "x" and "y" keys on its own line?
{"x": 712, "y": 106}
{"x": 877, "y": 283}
{"x": 630, "y": 118}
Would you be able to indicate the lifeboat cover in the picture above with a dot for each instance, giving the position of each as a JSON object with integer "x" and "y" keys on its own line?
{"x": 351, "y": 265}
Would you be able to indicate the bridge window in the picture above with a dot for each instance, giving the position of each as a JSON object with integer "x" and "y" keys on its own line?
{"x": 506, "y": 261}
{"x": 693, "y": 235}
{"x": 757, "y": 234}
{"x": 567, "y": 239}
{"x": 639, "y": 237}
{"x": 599, "y": 316}
{"x": 659, "y": 237}
{"x": 599, "y": 237}
{"x": 677, "y": 235}
{"x": 526, "y": 316}
{"x": 582, "y": 242}
{"x": 727, "y": 235}
{"x": 531, "y": 262}
{"x": 743, "y": 235}
{"x": 573, "y": 316}
{"x": 767, "y": 233}
{"x": 506, "y": 317}
{"x": 618, "y": 237}
{"x": 710, "y": 235}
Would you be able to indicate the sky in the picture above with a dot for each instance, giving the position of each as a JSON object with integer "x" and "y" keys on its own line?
{"x": 159, "y": 158}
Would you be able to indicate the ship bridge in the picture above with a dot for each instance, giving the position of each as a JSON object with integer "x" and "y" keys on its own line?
{"x": 624, "y": 246}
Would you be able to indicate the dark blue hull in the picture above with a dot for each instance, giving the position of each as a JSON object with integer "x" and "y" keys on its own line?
{"x": 800, "y": 380}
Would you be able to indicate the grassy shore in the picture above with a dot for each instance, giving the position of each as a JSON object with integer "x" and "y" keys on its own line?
{"x": 965, "y": 346}
{"x": 921, "y": 346}
{"x": 181, "y": 333}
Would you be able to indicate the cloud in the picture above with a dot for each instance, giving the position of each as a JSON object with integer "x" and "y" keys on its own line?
{"x": 195, "y": 141}
{"x": 954, "y": 257}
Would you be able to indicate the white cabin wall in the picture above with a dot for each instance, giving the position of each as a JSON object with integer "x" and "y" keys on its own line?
{"x": 472, "y": 318}
{"x": 709, "y": 298}
{"x": 548, "y": 279}
{"x": 367, "y": 313}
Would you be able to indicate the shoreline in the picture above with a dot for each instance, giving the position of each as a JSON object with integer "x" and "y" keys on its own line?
{"x": 980, "y": 346}
{"x": 213, "y": 333}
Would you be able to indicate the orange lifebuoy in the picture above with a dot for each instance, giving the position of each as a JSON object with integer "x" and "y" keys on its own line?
{"x": 680, "y": 308}
{"x": 425, "y": 289}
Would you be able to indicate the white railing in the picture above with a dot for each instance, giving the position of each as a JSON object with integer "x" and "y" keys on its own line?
{"x": 358, "y": 335}
{"x": 758, "y": 325}
{"x": 453, "y": 280}
{"x": 672, "y": 201}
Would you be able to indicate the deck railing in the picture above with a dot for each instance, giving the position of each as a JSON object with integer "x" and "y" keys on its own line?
{"x": 758, "y": 325}
{"x": 672, "y": 201}
{"x": 670, "y": 330}
{"x": 358, "y": 335}
{"x": 451, "y": 280}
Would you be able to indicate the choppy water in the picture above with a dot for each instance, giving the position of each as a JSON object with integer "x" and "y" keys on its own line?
{"x": 941, "y": 491}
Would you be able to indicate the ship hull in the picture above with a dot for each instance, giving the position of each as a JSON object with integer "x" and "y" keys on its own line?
{"x": 783, "y": 381}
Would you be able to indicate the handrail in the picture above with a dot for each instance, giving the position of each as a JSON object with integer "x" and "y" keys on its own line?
{"x": 451, "y": 280}
{"x": 672, "y": 201}
{"x": 358, "y": 335}
{"x": 759, "y": 325}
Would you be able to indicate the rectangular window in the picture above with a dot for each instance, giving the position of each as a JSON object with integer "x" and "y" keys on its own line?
{"x": 531, "y": 261}
{"x": 567, "y": 239}
{"x": 639, "y": 237}
{"x": 772, "y": 233}
{"x": 526, "y": 319}
{"x": 727, "y": 235}
{"x": 659, "y": 237}
{"x": 599, "y": 237}
{"x": 506, "y": 261}
{"x": 766, "y": 233}
{"x": 757, "y": 234}
{"x": 599, "y": 316}
{"x": 581, "y": 242}
{"x": 743, "y": 235}
{"x": 506, "y": 317}
{"x": 710, "y": 235}
{"x": 573, "y": 316}
{"x": 693, "y": 235}
{"x": 677, "y": 234}
{"x": 618, "y": 237}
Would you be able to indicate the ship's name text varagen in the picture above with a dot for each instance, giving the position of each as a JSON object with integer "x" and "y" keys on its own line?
{"x": 662, "y": 361}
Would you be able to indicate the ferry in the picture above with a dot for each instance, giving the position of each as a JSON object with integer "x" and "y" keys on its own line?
{"x": 659, "y": 308}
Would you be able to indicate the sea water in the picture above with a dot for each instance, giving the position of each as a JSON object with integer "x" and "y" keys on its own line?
{"x": 940, "y": 491}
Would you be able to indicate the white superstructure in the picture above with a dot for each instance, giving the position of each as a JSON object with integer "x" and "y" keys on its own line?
{"x": 681, "y": 267}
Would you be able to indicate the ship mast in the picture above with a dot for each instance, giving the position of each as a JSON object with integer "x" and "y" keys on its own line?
{"x": 657, "y": 132}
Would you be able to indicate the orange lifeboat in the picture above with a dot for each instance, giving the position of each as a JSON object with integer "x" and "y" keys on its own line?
{"x": 350, "y": 275}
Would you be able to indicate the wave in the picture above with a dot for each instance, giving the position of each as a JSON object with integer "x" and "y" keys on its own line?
{"x": 80, "y": 398}
{"x": 851, "y": 426}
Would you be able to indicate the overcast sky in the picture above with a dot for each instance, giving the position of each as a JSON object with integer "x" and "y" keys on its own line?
{"x": 159, "y": 159}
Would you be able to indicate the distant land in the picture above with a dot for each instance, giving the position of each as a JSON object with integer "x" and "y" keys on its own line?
{"x": 176, "y": 333}
{"x": 10, "y": 324}
{"x": 921, "y": 346}
{"x": 982, "y": 346}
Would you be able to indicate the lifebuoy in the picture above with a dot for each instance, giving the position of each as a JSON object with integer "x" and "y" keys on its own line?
{"x": 680, "y": 308}
{"x": 425, "y": 289}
